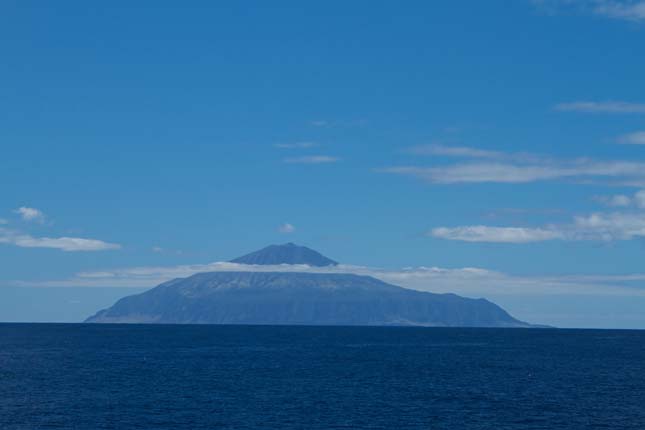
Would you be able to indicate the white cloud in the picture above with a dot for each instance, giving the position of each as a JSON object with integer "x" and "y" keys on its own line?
{"x": 613, "y": 226}
{"x": 286, "y": 228}
{"x": 312, "y": 159}
{"x": 319, "y": 123}
{"x": 157, "y": 249}
{"x": 454, "y": 151}
{"x": 515, "y": 173}
{"x": 636, "y": 138}
{"x": 30, "y": 214}
{"x": 468, "y": 281}
{"x": 477, "y": 172}
{"x": 481, "y": 233}
{"x": 297, "y": 145}
{"x": 3, "y": 221}
{"x": 602, "y": 107}
{"x": 639, "y": 199}
{"x": 629, "y": 10}
{"x": 360, "y": 122}
{"x": 597, "y": 227}
{"x": 625, "y": 9}
{"x": 515, "y": 168}
{"x": 69, "y": 244}
{"x": 621, "y": 200}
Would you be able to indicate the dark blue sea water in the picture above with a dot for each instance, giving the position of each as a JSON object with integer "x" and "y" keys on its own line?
{"x": 227, "y": 377}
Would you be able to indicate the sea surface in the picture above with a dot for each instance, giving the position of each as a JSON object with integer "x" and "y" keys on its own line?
{"x": 81, "y": 376}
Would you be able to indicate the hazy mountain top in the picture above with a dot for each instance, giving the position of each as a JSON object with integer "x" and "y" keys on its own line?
{"x": 289, "y": 253}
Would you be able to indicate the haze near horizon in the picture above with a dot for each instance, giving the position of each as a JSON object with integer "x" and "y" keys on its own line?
{"x": 495, "y": 154}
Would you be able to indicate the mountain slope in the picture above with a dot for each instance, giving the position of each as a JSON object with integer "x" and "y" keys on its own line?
{"x": 300, "y": 298}
{"x": 288, "y": 253}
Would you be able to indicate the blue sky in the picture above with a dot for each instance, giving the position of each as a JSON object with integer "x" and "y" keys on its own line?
{"x": 503, "y": 136}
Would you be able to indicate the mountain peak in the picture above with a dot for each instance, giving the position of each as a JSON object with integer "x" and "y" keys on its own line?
{"x": 288, "y": 253}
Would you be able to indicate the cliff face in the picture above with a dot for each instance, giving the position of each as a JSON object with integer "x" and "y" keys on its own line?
{"x": 300, "y": 298}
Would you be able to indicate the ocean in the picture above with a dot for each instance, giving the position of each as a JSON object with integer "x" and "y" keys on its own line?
{"x": 83, "y": 376}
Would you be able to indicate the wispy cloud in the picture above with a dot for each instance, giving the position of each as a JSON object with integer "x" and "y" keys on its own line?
{"x": 636, "y": 138}
{"x": 296, "y": 145}
{"x": 312, "y": 159}
{"x": 628, "y": 10}
{"x": 3, "y": 221}
{"x": 612, "y": 226}
{"x": 616, "y": 107}
{"x": 482, "y": 233}
{"x": 68, "y": 244}
{"x": 625, "y": 9}
{"x": 516, "y": 168}
{"x": 595, "y": 227}
{"x": 627, "y": 224}
{"x": 454, "y": 151}
{"x": 360, "y": 122}
{"x": 467, "y": 281}
{"x": 286, "y": 228}
{"x": 319, "y": 123}
{"x": 30, "y": 214}
{"x": 620, "y": 200}
{"x": 474, "y": 172}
